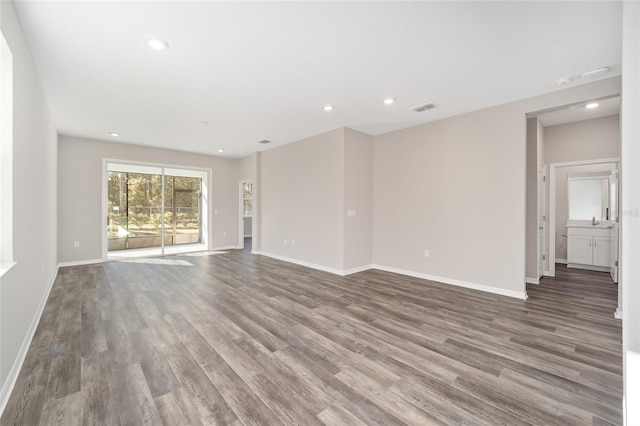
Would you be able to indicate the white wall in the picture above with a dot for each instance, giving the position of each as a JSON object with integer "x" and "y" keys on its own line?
{"x": 80, "y": 216}
{"x": 302, "y": 196}
{"x": 630, "y": 267}
{"x": 457, "y": 187}
{"x": 358, "y": 197}
{"x": 24, "y": 288}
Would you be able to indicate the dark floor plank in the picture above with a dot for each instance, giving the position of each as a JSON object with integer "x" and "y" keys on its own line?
{"x": 237, "y": 339}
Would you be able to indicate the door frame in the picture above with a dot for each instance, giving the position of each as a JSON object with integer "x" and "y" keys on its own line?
{"x": 551, "y": 229}
{"x": 542, "y": 247}
{"x": 241, "y": 211}
{"x": 205, "y": 213}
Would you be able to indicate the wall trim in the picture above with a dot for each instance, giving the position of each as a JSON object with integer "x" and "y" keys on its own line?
{"x": 589, "y": 267}
{"x": 301, "y": 263}
{"x": 357, "y": 269}
{"x": 618, "y": 314}
{"x": 12, "y": 377}
{"x": 213, "y": 249}
{"x": 79, "y": 262}
{"x": 530, "y": 280}
{"x": 551, "y": 229}
{"x": 563, "y": 261}
{"x": 459, "y": 283}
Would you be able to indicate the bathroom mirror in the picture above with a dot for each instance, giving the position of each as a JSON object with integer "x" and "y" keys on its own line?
{"x": 588, "y": 197}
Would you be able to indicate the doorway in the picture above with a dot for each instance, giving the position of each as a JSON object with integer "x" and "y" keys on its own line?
{"x": 153, "y": 210}
{"x": 245, "y": 232}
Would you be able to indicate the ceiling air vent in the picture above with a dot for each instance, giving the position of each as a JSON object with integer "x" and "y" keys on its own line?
{"x": 264, "y": 141}
{"x": 420, "y": 108}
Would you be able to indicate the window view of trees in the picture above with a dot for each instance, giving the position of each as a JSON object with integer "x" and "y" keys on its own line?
{"x": 135, "y": 210}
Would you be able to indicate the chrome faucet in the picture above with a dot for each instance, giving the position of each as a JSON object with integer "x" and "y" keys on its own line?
{"x": 593, "y": 221}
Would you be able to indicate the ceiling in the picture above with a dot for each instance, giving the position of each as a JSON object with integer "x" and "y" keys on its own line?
{"x": 264, "y": 70}
{"x": 578, "y": 112}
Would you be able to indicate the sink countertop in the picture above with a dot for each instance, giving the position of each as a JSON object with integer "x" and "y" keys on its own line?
{"x": 599, "y": 225}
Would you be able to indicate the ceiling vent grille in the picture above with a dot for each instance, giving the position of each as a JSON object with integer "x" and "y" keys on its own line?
{"x": 264, "y": 141}
{"x": 421, "y": 108}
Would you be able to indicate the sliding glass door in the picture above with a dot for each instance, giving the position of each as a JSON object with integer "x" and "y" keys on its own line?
{"x": 153, "y": 208}
{"x": 182, "y": 197}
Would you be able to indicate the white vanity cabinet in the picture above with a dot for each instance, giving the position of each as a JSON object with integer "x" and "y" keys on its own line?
{"x": 589, "y": 247}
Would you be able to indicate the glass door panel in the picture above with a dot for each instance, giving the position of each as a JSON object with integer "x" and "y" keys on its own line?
{"x": 184, "y": 195}
{"x": 134, "y": 210}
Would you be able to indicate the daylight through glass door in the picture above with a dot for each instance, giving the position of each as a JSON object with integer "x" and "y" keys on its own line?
{"x": 137, "y": 218}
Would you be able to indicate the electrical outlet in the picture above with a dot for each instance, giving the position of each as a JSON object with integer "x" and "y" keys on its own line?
{"x": 293, "y": 242}
{"x": 76, "y": 244}
{"x": 285, "y": 242}
{"x": 426, "y": 253}
{"x": 224, "y": 234}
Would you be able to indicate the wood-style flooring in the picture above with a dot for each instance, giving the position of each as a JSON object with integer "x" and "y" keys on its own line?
{"x": 239, "y": 339}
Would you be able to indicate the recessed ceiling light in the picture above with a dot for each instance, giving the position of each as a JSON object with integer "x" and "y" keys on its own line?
{"x": 221, "y": 150}
{"x": 592, "y": 105}
{"x": 204, "y": 123}
{"x": 328, "y": 108}
{"x": 563, "y": 81}
{"x": 596, "y": 71}
{"x": 157, "y": 44}
{"x": 264, "y": 141}
{"x": 114, "y": 134}
{"x": 389, "y": 101}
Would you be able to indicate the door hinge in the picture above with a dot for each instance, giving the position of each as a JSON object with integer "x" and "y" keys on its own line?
{"x": 544, "y": 218}
{"x": 544, "y": 257}
{"x": 544, "y": 178}
{"x": 616, "y": 263}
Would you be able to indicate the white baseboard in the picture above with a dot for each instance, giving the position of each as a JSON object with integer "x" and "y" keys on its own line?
{"x": 459, "y": 283}
{"x": 301, "y": 262}
{"x": 79, "y": 263}
{"x": 12, "y": 377}
{"x": 357, "y": 269}
{"x": 561, "y": 261}
{"x": 588, "y": 267}
{"x": 618, "y": 314}
{"x": 530, "y": 280}
{"x": 314, "y": 265}
{"x": 224, "y": 248}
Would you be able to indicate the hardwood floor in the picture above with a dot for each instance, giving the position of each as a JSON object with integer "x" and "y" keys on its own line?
{"x": 236, "y": 339}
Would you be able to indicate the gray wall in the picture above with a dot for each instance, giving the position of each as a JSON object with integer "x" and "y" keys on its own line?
{"x": 24, "y": 288}
{"x": 458, "y": 188}
{"x": 80, "y": 216}
{"x": 302, "y": 193}
{"x": 583, "y": 140}
{"x": 358, "y": 196}
{"x": 307, "y": 189}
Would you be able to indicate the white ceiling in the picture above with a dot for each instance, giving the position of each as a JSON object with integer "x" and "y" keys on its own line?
{"x": 264, "y": 70}
{"x": 573, "y": 113}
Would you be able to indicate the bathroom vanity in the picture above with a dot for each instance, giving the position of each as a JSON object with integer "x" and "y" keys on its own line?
{"x": 592, "y": 228}
{"x": 589, "y": 247}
